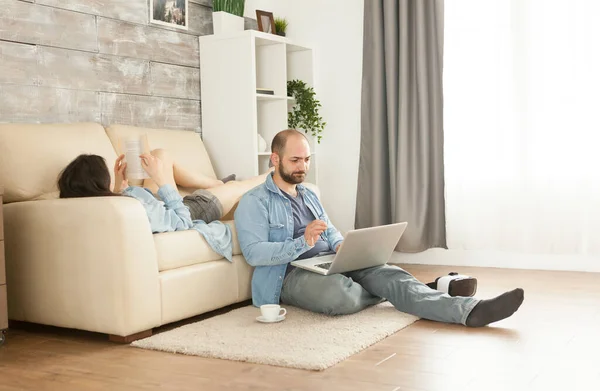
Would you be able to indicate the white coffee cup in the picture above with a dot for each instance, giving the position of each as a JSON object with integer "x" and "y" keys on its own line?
{"x": 272, "y": 311}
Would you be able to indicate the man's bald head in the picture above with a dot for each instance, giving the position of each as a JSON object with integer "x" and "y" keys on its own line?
{"x": 290, "y": 154}
{"x": 281, "y": 138}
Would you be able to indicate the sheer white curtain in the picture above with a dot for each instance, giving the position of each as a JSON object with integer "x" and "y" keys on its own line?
{"x": 521, "y": 125}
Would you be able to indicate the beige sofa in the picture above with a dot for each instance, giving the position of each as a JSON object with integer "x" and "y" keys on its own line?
{"x": 93, "y": 263}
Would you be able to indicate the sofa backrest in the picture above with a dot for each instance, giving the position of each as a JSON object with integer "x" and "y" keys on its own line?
{"x": 186, "y": 147}
{"x": 33, "y": 155}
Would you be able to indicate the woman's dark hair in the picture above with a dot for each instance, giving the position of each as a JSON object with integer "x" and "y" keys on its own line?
{"x": 86, "y": 176}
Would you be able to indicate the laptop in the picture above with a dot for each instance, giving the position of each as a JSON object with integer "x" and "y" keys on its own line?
{"x": 362, "y": 248}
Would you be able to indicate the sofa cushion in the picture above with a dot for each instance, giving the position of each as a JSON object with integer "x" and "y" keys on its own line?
{"x": 33, "y": 155}
{"x": 186, "y": 147}
{"x": 185, "y": 248}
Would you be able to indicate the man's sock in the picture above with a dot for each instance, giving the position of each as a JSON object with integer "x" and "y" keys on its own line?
{"x": 498, "y": 308}
{"x": 228, "y": 178}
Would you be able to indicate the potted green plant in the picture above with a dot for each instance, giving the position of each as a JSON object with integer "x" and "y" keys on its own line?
{"x": 280, "y": 26}
{"x": 228, "y": 16}
{"x": 305, "y": 112}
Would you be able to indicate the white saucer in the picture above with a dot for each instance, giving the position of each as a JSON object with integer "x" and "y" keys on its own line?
{"x": 277, "y": 319}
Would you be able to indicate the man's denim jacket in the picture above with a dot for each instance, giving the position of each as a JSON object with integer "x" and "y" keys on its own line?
{"x": 265, "y": 227}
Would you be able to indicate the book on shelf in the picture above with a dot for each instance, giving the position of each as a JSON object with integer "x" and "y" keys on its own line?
{"x": 265, "y": 91}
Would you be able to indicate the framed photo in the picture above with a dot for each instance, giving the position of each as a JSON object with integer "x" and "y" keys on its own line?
{"x": 173, "y": 13}
{"x": 266, "y": 22}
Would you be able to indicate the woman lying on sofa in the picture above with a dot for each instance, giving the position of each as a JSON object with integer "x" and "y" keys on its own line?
{"x": 88, "y": 176}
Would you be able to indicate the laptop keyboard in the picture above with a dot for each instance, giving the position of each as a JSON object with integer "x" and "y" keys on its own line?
{"x": 325, "y": 265}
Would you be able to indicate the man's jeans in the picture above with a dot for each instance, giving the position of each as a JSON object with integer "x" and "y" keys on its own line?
{"x": 347, "y": 293}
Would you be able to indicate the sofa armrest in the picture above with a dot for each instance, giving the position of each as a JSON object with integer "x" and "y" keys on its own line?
{"x": 83, "y": 263}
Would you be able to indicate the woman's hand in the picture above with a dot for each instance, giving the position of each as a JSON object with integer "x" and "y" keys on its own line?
{"x": 121, "y": 181}
{"x": 154, "y": 167}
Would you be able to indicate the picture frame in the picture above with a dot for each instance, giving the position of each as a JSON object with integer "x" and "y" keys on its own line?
{"x": 175, "y": 13}
{"x": 266, "y": 21}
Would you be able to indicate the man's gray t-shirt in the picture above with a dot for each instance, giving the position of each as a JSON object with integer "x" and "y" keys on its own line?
{"x": 302, "y": 217}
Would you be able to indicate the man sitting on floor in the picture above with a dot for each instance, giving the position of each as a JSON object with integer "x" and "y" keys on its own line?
{"x": 281, "y": 220}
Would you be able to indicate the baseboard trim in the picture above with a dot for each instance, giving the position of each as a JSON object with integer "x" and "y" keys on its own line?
{"x": 499, "y": 259}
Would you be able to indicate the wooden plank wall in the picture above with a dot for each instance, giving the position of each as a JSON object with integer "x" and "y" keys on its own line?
{"x": 100, "y": 61}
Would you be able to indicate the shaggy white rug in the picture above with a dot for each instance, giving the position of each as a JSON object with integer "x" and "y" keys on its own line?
{"x": 303, "y": 340}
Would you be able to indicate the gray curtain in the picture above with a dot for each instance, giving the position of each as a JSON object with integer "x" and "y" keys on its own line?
{"x": 401, "y": 170}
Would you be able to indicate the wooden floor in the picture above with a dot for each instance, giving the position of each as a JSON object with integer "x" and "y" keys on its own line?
{"x": 552, "y": 343}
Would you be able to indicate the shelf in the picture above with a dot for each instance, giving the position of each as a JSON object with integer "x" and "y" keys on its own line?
{"x": 273, "y": 97}
{"x": 234, "y": 65}
{"x": 261, "y": 39}
{"x": 269, "y": 97}
{"x": 266, "y": 39}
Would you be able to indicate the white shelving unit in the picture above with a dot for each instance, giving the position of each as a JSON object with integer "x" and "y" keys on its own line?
{"x": 232, "y": 68}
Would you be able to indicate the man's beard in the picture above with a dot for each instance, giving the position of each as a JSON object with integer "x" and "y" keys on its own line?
{"x": 294, "y": 178}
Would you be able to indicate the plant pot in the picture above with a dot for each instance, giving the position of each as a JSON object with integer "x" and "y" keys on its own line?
{"x": 282, "y": 33}
{"x": 224, "y": 22}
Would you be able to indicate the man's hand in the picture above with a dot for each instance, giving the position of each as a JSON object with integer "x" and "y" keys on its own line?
{"x": 121, "y": 181}
{"x": 154, "y": 167}
{"x": 313, "y": 231}
{"x": 337, "y": 249}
